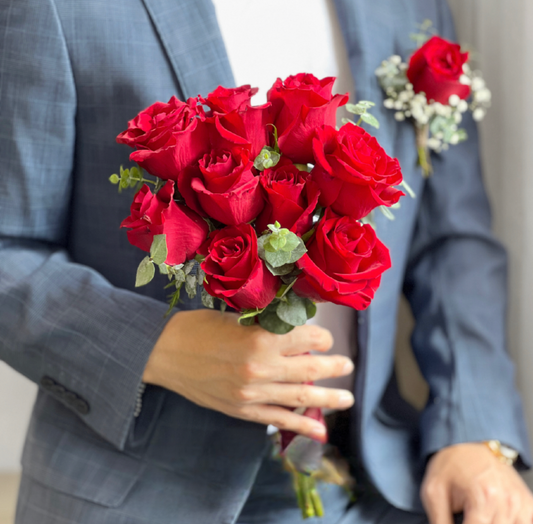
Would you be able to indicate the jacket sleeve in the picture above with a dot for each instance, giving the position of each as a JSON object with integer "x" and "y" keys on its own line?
{"x": 456, "y": 285}
{"x": 62, "y": 324}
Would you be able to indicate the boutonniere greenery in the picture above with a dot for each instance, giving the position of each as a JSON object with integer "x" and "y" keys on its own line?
{"x": 434, "y": 88}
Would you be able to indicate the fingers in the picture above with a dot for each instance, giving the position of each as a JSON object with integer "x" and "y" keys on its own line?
{"x": 436, "y": 501}
{"x": 301, "y": 395}
{"x": 280, "y": 417}
{"x": 304, "y": 339}
{"x": 308, "y": 368}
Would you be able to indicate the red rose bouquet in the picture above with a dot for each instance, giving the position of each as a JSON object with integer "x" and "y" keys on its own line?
{"x": 434, "y": 88}
{"x": 262, "y": 208}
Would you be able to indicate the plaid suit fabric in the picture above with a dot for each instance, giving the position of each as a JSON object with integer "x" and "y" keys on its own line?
{"x": 71, "y": 75}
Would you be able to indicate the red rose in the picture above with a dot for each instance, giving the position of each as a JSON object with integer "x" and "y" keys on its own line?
{"x": 223, "y": 186}
{"x": 247, "y": 129}
{"x": 343, "y": 263}
{"x": 234, "y": 271}
{"x": 301, "y": 103}
{"x": 435, "y": 69}
{"x": 168, "y": 137}
{"x": 291, "y": 198}
{"x": 353, "y": 172}
{"x": 158, "y": 214}
{"x": 225, "y": 100}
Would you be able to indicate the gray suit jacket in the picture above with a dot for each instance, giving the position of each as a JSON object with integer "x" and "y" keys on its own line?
{"x": 71, "y": 75}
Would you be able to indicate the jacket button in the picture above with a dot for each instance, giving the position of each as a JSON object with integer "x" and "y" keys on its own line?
{"x": 81, "y": 406}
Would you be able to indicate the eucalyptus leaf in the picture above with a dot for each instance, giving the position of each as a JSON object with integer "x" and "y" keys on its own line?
{"x": 188, "y": 266}
{"x": 278, "y": 258}
{"x": 249, "y": 314}
{"x": 145, "y": 272}
{"x": 158, "y": 250}
{"x": 292, "y": 241}
{"x": 310, "y": 308}
{"x": 250, "y": 321}
{"x": 190, "y": 285}
{"x": 114, "y": 179}
{"x": 207, "y": 300}
{"x": 286, "y": 269}
{"x": 270, "y": 321}
{"x": 371, "y": 120}
{"x": 179, "y": 275}
{"x": 298, "y": 252}
{"x": 292, "y": 309}
{"x": 163, "y": 269}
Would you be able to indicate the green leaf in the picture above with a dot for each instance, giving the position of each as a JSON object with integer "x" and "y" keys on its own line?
{"x": 280, "y": 271}
{"x": 292, "y": 241}
{"x": 207, "y": 300}
{"x": 277, "y": 258}
{"x": 158, "y": 250}
{"x": 190, "y": 285}
{"x": 163, "y": 269}
{"x": 179, "y": 275}
{"x": 292, "y": 309}
{"x": 223, "y": 306}
{"x": 145, "y": 272}
{"x": 188, "y": 266}
{"x": 371, "y": 120}
{"x": 249, "y": 314}
{"x": 174, "y": 299}
{"x": 277, "y": 242}
{"x": 361, "y": 107}
{"x": 267, "y": 158}
{"x": 298, "y": 252}
{"x": 114, "y": 179}
{"x": 250, "y": 321}
{"x": 310, "y": 308}
{"x": 270, "y": 321}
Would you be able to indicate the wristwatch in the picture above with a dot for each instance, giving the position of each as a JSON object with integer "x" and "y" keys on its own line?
{"x": 502, "y": 452}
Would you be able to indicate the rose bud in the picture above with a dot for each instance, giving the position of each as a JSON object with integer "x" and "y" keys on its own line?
{"x": 234, "y": 271}
{"x": 225, "y": 100}
{"x": 158, "y": 214}
{"x": 435, "y": 69}
{"x": 223, "y": 186}
{"x": 300, "y": 104}
{"x": 343, "y": 263}
{"x": 353, "y": 172}
{"x": 291, "y": 197}
{"x": 168, "y": 137}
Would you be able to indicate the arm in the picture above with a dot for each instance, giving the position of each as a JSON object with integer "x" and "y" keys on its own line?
{"x": 456, "y": 284}
{"x": 63, "y": 320}
{"x": 57, "y": 318}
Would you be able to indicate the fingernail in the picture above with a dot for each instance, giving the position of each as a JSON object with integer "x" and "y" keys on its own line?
{"x": 347, "y": 368}
{"x": 346, "y": 400}
{"x": 318, "y": 432}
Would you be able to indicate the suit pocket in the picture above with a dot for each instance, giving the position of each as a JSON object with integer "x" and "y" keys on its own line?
{"x": 62, "y": 453}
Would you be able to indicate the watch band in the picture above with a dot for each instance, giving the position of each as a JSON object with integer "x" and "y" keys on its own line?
{"x": 502, "y": 452}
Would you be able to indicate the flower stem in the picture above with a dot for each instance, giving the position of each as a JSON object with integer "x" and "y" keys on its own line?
{"x": 424, "y": 161}
{"x": 307, "y": 494}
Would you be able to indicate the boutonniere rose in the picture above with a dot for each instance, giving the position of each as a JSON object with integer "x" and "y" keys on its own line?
{"x": 434, "y": 89}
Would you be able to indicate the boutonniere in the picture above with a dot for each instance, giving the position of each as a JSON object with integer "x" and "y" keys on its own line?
{"x": 433, "y": 89}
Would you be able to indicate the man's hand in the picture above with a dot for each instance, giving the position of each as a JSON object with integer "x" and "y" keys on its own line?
{"x": 247, "y": 372}
{"x": 469, "y": 478}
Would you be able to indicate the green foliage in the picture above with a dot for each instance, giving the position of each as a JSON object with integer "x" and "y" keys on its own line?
{"x": 292, "y": 309}
{"x": 158, "y": 249}
{"x": 361, "y": 109}
{"x": 280, "y": 249}
{"x": 145, "y": 272}
{"x": 133, "y": 178}
{"x": 267, "y": 158}
{"x": 247, "y": 317}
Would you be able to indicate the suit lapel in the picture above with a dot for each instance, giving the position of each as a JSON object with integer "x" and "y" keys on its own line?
{"x": 191, "y": 37}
